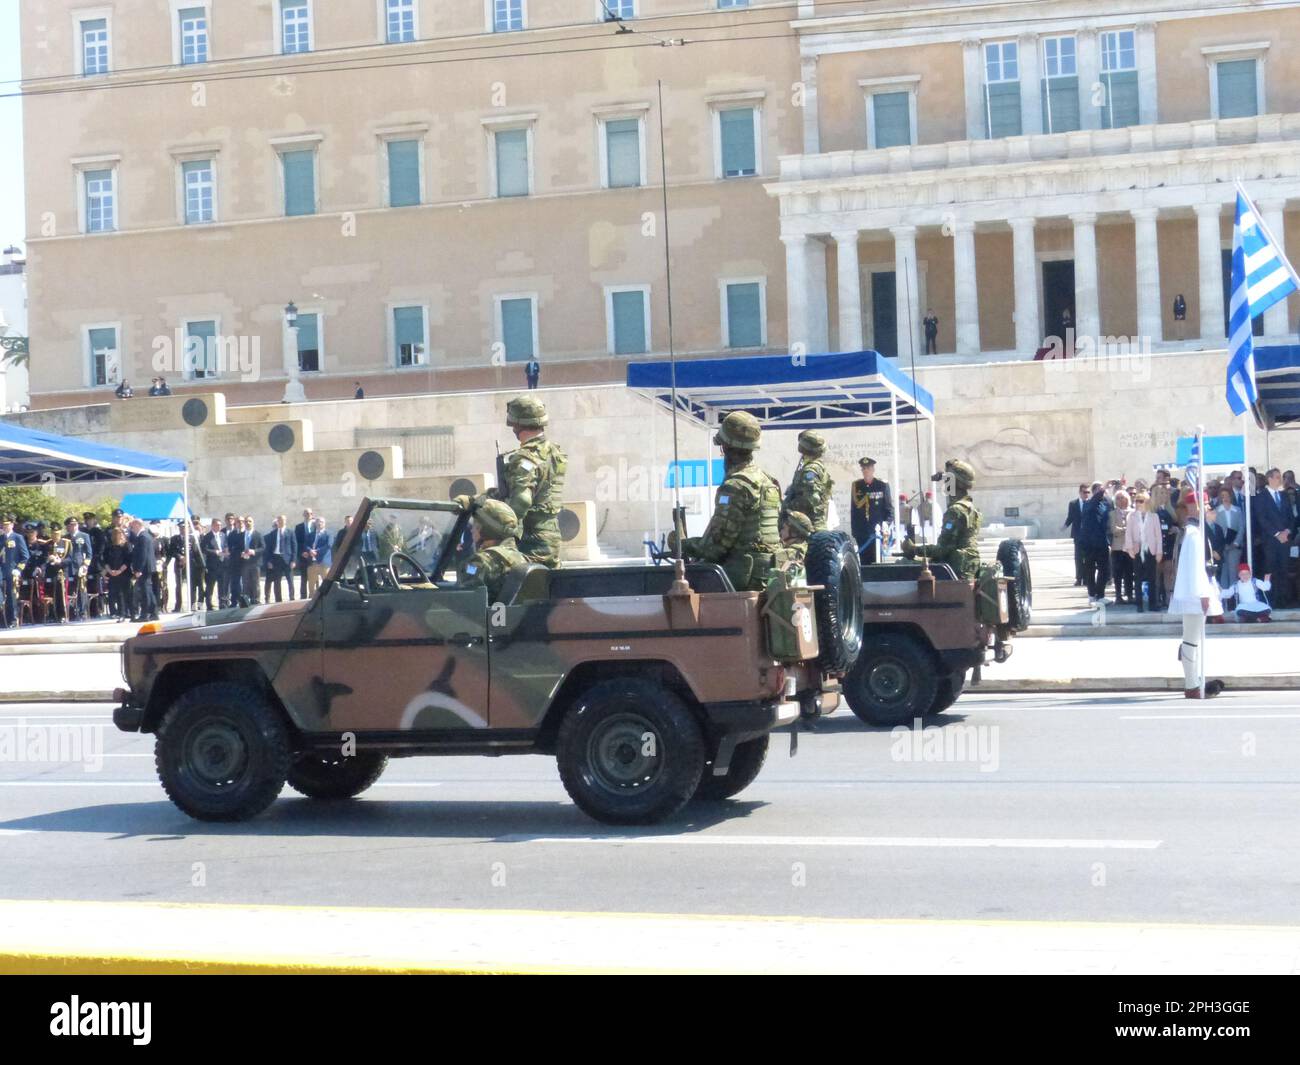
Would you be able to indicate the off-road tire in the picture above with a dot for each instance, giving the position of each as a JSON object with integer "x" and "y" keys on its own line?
{"x": 1020, "y": 591}
{"x": 244, "y": 742}
{"x": 746, "y": 763}
{"x": 334, "y": 776}
{"x": 832, "y": 561}
{"x": 949, "y": 690}
{"x": 893, "y": 682}
{"x": 601, "y": 752}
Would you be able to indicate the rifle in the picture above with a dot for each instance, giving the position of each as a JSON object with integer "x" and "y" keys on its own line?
{"x": 501, "y": 491}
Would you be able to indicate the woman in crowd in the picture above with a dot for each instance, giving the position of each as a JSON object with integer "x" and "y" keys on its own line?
{"x": 1121, "y": 562}
{"x": 117, "y": 563}
{"x": 1230, "y": 519}
{"x": 1144, "y": 545}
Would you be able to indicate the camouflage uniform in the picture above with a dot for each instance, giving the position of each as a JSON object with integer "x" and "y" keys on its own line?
{"x": 533, "y": 483}
{"x": 797, "y": 527}
{"x": 810, "y": 491}
{"x": 490, "y": 565}
{"x": 743, "y": 536}
{"x": 958, "y": 541}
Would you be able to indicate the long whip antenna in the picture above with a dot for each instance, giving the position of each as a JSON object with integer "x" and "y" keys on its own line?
{"x": 916, "y": 412}
{"x": 678, "y": 522}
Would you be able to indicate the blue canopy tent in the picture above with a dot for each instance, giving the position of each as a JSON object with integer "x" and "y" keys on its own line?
{"x": 33, "y": 457}
{"x": 155, "y": 506}
{"x": 1277, "y": 378}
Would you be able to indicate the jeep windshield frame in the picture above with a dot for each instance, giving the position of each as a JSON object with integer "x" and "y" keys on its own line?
{"x": 369, "y": 506}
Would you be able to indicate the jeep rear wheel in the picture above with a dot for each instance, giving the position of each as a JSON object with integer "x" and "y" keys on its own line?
{"x": 222, "y": 752}
{"x": 893, "y": 682}
{"x": 629, "y": 752}
{"x": 746, "y": 762}
{"x": 950, "y": 688}
{"x": 1020, "y": 592}
{"x": 335, "y": 776}
{"x": 832, "y": 562}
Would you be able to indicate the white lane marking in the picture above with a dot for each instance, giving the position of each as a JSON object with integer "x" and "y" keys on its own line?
{"x": 852, "y": 841}
{"x": 45, "y": 718}
{"x": 1203, "y": 717}
{"x": 16, "y": 831}
{"x": 154, "y": 783}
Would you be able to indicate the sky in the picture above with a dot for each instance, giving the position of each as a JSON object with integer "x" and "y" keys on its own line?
{"x": 12, "y": 226}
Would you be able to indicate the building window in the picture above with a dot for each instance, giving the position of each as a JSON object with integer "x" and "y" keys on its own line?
{"x": 299, "y": 181}
{"x": 295, "y": 26}
{"x": 513, "y": 174}
{"x": 1237, "y": 81}
{"x": 617, "y": 9}
{"x": 507, "y": 15}
{"x": 400, "y": 20}
{"x": 627, "y": 317}
{"x": 308, "y": 341}
{"x": 201, "y": 348}
{"x": 100, "y": 200}
{"x": 517, "y": 327}
{"x": 724, "y": 4}
{"x": 403, "y": 173}
{"x": 408, "y": 336}
{"x": 891, "y": 120}
{"x": 738, "y": 141}
{"x": 1060, "y": 88}
{"x": 193, "y": 25}
{"x": 1119, "y": 79}
{"x": 94, "y": 46}
{"x": 102, "y": 354}
{"x": 200, "y": 186}
{"x": 1002, "y": 89}
{"x": 743, "y": 314}
{"x": 622, "y": 145}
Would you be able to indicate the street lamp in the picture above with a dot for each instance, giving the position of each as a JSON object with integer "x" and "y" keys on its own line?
{"x": 293, "y": 390}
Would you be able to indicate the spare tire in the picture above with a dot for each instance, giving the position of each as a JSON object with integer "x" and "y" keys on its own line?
{"x": 1020, "y": 592}
{"x": 832, "y": 562}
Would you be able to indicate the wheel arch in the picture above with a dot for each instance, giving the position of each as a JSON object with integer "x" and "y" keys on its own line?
{"x": 176, "y": 678}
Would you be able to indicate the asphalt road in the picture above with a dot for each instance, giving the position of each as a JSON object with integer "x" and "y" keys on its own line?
{"x": 1091, "y": 808}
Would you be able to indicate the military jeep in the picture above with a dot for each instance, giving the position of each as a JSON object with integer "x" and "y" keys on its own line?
{"x": 648, "y": 691}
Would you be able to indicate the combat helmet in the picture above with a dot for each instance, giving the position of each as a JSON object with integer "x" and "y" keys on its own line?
{"x": 800, "y": 524}
{"x": 963, "y": 474}
{"x": 740, "y": 430}
{"x": 812, "y": 443}
{"x": 496, "y": 519}
{"x": 526, "y": 412}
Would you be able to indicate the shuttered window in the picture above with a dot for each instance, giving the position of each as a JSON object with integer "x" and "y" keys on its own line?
{"x": 892, "y": 118}
{"x": 201, "y": 348}
{"x": 103, "y": 351}
{"x": 517, "y": 329}
{"x": 736, "y": 133}
{"x": 299, "y": 182}
{"x": 403, "y": 173}
{"x": 744, "y": 315}
{"x": 512, "y": 162}
{"x": 308, "y": 341}
{"x": 623, "y": 152}
{"x": 101, "y": 202}
{"x": 193, "y": 28}
{"x": 1238, "y": 88}
{"x": 200, "y": 191}
{"x": 408, "y": 335}
{"x": 628, "y": 312}
{"x": 94, "y": 46}
{"x": 1119, "y": 79}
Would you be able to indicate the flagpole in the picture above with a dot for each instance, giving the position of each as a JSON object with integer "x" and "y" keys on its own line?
{"x": 1247, "y": 495}
{"x": 1207, "y": 554}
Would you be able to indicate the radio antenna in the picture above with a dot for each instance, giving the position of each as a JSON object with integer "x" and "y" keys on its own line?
{"x": 916, "y": 407}
{"x": 679, "y": 518}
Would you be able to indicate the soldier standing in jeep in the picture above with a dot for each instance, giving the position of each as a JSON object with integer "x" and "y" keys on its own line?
{"x": 958, "y": 541}
{"x": 533, "y": 481}
{"x": 810, "y": 491}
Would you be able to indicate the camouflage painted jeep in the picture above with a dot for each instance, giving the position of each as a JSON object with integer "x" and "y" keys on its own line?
{"x": 647, "y": 696}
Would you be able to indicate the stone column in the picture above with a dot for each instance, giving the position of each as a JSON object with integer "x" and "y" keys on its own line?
{"x": 1088, "y": 60}
{"x": 811, "y": 127}
{"x": 967, "y": 292}
{"x": 906, "y": 311}
{"x": 819, "y": 339}
{"x": 1029, "y": 332}
{"x": 1031, "y": 76}
{"x": 849, "y": 290}
{"x": 1149, "y": 307}
{"x": 1145, "y": 40}
{"x": 1209, "y": 245}
{"x": 797, "y": 292}
{"x": 1087, "y": 310}
{"x": 1273, "y": 214}
{"x": 972, "y": 55}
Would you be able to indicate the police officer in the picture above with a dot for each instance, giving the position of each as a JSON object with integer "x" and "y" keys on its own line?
{"x": 873, "y": 505}
{"x": 957, "y": 544}
{"x": 13, "y": 557}
{"x": 496, "y": 547}
{"x": 532, "y": 481}
{"x": 743, "y": 535}
{"x": 810, "y": 491}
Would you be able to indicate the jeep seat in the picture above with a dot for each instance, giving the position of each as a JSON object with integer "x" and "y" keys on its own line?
{"x": 529, "y": 583}
{"x": 904, "y": 571}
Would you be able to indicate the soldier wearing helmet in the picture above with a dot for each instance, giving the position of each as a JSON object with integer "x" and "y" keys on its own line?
{"x": 531, "y": 481}
{"x": 743, "y": 535}
{"x": 496, "y": 529}
{"x": 796, "y": 527}
{"x": 957, "y": 544}
{"x": 810, "y": 491}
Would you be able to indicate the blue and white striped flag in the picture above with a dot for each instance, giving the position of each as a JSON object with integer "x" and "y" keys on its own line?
{"x": 1261, "y": 276}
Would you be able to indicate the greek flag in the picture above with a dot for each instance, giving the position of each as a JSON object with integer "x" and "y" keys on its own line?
{"x": 1261, "y": 276}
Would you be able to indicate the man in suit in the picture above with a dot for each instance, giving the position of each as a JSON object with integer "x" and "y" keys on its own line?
{"x": 233, "y": 592}
{"x": 873, "y": 505}
{"x": 533, "y": 371}
{"x": 1276, "y": 522}
{"x": 13, "y": 557}
{"x": 303, "y": 533}
{"x": 319, "y": 556}
{"x": 213, "y": 545}
{"x": 194, "y": 535}
{"x": 280, "y": 550}
{"x": 251, "y": 563}
{"x": 1094, "y": 538}
{"x": 369, "y": 543}
{"x": 144, "y": 559}
{"x": 343, "y": 531}
{"x": 1072, "y": 515}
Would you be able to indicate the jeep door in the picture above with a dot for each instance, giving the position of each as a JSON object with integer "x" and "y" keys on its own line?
{"x": 403, "y": 649}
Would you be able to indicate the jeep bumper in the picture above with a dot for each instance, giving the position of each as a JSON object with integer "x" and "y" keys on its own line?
{"x": 126, "y": 717}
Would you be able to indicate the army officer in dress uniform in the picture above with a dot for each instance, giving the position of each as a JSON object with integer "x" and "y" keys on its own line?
{"x": 873, "y": 505}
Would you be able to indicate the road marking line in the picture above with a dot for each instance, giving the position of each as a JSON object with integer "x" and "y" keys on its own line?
{"x": 850, "y": 841}
{"x": 16, "y": 831}
{"x": 1204, "y": 717}
{"x": 155, "y": 784}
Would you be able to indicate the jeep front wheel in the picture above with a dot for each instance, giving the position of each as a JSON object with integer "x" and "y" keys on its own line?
{"x": 746, "y": 762}
{"x": 222, "y": 752}
{"x": 893, "y": 682}
{"x": 629, "y": 752}
{"x": 335, "y": 776}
